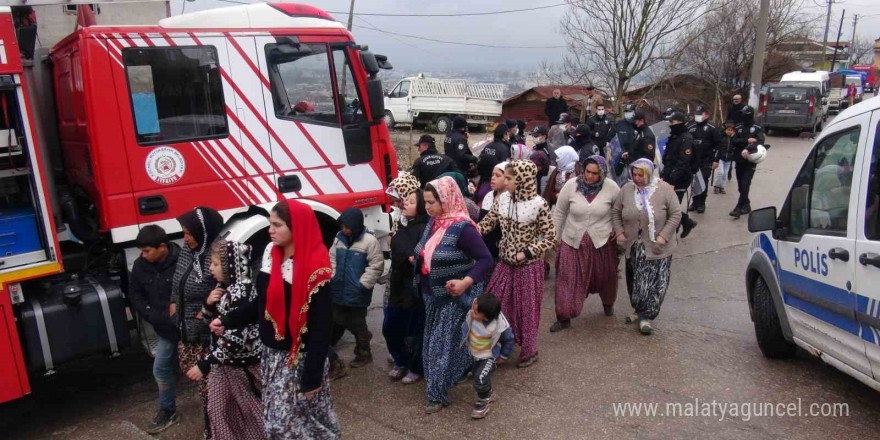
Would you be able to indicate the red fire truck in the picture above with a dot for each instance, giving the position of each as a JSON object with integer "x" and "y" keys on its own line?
{"x": 233, "y": 108}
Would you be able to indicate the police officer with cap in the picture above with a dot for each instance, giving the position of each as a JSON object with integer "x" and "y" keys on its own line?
{"x": 680, "y": 163}
{"x": 636, "y": 139}
{"x": 430, "y": 163}
{"x": 745, "y": 141}
{"x": 540, "y": 134}
{"x": 706, "y": 141}
{"x": 456, "y": 147}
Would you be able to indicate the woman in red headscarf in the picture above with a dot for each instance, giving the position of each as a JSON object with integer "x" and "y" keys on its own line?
{"x": 294, "y": 312}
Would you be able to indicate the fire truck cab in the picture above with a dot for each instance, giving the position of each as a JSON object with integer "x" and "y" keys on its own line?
{"x": 233, "y": 108}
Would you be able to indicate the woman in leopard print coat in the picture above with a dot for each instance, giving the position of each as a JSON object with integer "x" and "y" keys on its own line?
{"x": 527, "y": 232}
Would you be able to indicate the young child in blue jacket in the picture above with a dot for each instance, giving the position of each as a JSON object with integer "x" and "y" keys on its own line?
{"x": 490, "y": 341}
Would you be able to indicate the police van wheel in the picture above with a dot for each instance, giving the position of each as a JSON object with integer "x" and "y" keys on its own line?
{"x": 768, "y": 332}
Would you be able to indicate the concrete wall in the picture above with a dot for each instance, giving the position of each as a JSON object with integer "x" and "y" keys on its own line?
{"x": 53, "y": 24}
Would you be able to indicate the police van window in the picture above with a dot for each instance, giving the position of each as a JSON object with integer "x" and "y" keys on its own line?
{"x": 176, "y": 93}
{"x": 820, "y": 196}
{"x": 350, "y": 103}
{"x": 872, "y": 207}
{"x": 302, "y": 88}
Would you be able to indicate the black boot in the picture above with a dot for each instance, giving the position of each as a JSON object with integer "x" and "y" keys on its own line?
{"x": 735, "y": 213}
{"x": 692, "y": 207}
{"x": 745, "y": 209}
{"x": 701, "y": 209}
{"x": 687, "y": 226}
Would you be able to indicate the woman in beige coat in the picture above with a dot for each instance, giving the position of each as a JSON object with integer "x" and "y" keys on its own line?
{"x": 587, "y": 260}
{"x": 646, "y": 214}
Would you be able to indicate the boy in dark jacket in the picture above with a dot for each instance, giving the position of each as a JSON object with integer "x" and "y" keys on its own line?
{"x": 724, "y": 158}
{"x": 149, "y": 292}
{"x": 357, "y": 262}
{"x": 490, "y": 341}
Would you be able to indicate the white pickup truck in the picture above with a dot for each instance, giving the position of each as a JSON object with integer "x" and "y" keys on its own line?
{"x": 423, "y": 100}
{"x": 837, "y": 97}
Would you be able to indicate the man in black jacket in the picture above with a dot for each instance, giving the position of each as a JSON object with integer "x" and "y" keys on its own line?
{"x": 744, "y": 142}
{"x": 540, "y": 134}
{"x": 680, "y": 163}
{"x": 430, "y": 163}
{"x": 637, "y": 141}
{"x": 149, "y": 292}
{"x": 554, "y": 107}
{"x": 583, "y": 141}
{"x": 600, "y": 125}
{"x": 706, "y": 141}
{"x": 734, "y": 112}
{"x": 499, "y": 148}
{"x": 456, "y": 147}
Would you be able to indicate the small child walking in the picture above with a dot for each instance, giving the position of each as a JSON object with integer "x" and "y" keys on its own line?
{"x": 235, "y": 408}
{"x": 724, "y": 158}
{"x": 357, "y": 262}
{"x": 490, "y": 341}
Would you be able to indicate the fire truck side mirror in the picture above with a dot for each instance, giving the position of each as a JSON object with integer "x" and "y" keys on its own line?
{"x": 377, "y": 98}
{"x": 370, "y": 63}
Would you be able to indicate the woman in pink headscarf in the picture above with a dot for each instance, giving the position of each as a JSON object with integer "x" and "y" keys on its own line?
{"x": 450, "y": 261}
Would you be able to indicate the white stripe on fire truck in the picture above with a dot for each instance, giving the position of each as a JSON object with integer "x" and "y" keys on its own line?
{"x": 262, "y": 194}
{"x": 239, "y": 170}
{"x": 232, "y": 190}
{"x": 209, "y": 155}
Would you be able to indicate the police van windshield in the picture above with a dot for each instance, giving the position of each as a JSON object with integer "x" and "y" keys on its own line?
{"x": 790, "y": 95}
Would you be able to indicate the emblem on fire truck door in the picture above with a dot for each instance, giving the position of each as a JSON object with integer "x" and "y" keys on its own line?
{"x": 165, "y": 165}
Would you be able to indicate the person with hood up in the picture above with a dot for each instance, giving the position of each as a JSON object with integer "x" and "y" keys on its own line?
{"x": 450, "y": 263}
{"x": 527, "y": 233}
{"x": 587, "y": 257}
{"x": 357, "y": 262}
{"x": 646, "y": 215}
{"x": 566, "y": 169}
{"x": 404, "y": 324}
{"x": 294, "y": 315}
{"x": 232, "y": 366}
{"x": 192, "y": 283}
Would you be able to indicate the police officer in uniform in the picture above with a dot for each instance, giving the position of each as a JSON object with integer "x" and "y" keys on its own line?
{"x": 679, "y": 163}
{"x": 636, "y": 139}
{"x": 744, "y": 142}
{"x": 706, "y": 141}
{"x": 499, "y": 148}
{"x": 540, "y": 134}
{"x": 456, "y": 147}
{"x": 430, "y": 163}
{"x": 600, "y": 125}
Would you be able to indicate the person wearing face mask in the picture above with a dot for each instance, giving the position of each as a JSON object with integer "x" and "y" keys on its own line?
{"x": 560, "y": 134}
{"x": 679, "y": 164}
{"x": 706, "y": 141}
{"x": 583, "y": 142}
{"x": 600, "y": 126}
{"x": 513, "y": 132}
{"x": 745, "y": 141}
{"x": 636, "y": 139}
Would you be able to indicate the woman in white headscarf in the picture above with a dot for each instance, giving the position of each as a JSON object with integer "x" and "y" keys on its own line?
{"x": 566, "y": 166}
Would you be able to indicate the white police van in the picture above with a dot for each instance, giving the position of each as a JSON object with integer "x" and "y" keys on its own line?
{"x": 813, "y": 275}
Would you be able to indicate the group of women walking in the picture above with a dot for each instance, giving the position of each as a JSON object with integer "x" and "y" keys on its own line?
{"x": 268, "y": 333}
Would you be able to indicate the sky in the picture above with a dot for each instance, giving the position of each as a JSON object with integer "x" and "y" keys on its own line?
{"x": 531, "y": 28}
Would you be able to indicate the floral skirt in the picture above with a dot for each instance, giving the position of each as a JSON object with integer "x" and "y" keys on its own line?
{"x": 650, "y": 282}
{"x": 582, "y": 271}
{"x": 188, "y": 355}
{"x": 235, "y": 408}
{"x": 285, "y": 415}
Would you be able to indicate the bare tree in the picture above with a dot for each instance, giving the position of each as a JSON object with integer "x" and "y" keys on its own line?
{"x": 611, "y": 42}
{"x": 862, "y": 50}
{"x": 723, "y": 49}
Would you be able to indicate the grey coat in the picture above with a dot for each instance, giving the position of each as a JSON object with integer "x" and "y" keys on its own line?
{"x": 628, "y": 219}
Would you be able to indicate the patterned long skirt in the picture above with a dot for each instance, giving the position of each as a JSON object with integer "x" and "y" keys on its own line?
{"x": 582, "y": 271}
{"x": 235, "y": 408}
{"x": 650, "y": 282}
{"x": 188, "y": 355}
{"x": 520, "y": 289}
{"x": 445, "y": 358}
{"x": 285, "y": 415}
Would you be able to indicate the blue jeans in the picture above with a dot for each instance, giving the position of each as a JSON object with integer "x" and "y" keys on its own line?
{"x": 165, "y": 372}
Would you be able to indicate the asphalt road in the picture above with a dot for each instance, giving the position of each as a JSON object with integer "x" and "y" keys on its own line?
{"x": 703, "y": 350}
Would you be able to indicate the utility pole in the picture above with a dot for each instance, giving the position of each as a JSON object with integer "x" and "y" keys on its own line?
{"x": 837, "y": 45}
{"x": 825, "y": 38}
{"x": 351, "y": 16}
{"x": 760, "y": 48}
{"x": 852, "y": 40}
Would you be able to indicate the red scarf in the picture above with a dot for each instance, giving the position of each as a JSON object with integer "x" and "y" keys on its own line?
{"x": 311, "y": 270}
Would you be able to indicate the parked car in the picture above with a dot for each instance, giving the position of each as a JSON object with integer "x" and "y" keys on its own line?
{"x": 796, "y": 106}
